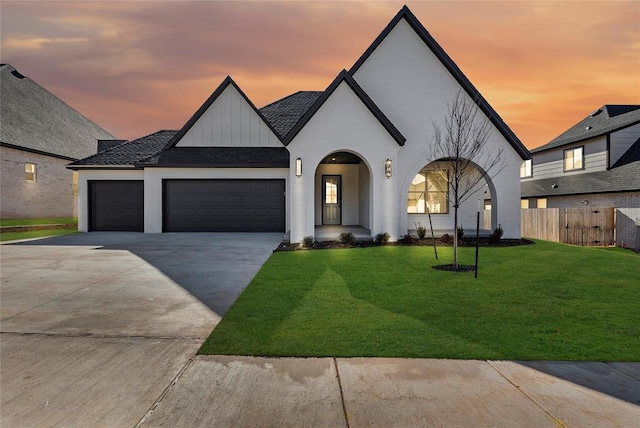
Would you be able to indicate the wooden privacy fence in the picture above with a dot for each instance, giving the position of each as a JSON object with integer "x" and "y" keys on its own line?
{"x": 592, "y": 226}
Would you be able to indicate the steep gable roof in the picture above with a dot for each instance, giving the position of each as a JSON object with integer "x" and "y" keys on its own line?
{"x": 453, "y": 69}
{"x": 359, "y": 92}
{"x": 286, "y": 112}
{"x": 204, "y": 107}
{"x": 606, "y": 119}
{"x": 34, "y": 119}
{"x": 129, "y": 153}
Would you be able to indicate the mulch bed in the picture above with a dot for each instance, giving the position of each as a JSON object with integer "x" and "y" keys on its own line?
{"x": 414, "y": 242}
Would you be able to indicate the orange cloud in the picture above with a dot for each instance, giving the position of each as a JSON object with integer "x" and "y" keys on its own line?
{"x": 135, "y": 67}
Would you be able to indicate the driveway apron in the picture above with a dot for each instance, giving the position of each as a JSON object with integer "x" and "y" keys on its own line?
{"x": 95, "y": 326}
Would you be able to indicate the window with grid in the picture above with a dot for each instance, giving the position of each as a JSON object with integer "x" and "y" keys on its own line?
{"x": 429, "y": 190}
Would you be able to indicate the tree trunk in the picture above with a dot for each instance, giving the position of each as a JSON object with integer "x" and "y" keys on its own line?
{"x": 455, "y": 237}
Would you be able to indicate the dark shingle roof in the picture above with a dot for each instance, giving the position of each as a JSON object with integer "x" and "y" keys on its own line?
{"x": 131, "y": 152}
{"x": 453, "y": 69}
{"x": 34, "y": 119}
{"x": 606, "y": 119}
{"x": 286, "y": 112}
{"x": 621, "y": 179}
{"x": 221, "y": 157}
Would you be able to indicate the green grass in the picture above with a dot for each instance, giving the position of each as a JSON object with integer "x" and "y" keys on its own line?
{"x": 14, "y": 236}
{"x": 35, "y": 221}
{"x": 538, "y": 302}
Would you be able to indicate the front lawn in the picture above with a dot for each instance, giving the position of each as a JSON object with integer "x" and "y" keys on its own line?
{"x": 536, "y": 302}
{"x": 37, "y": 221}
{"x": 14, "y": 236}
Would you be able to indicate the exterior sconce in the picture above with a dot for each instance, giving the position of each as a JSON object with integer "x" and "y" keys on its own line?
{"x": 387, "y": 168}
{"x": 298, "y": 167}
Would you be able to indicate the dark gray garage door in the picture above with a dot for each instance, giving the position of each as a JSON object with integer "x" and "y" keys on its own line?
{"x": 116, "y": 205}
{"x": 224, "y": 205}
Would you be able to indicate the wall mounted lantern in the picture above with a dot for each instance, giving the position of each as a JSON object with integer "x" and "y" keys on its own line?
{"x": 387, "y": 168}
{"x": 298, "y": 167}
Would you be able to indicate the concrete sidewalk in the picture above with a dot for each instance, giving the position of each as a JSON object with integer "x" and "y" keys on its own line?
{"x": 229, "y": 391}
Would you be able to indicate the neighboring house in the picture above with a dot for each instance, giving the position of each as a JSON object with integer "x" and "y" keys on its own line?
{"x": 353, "y": 154}
{"x": 39, "y": 136}
{"x": 594, "y": 163}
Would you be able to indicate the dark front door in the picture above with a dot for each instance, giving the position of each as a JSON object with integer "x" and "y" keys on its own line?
{"x": 116, "y": 205}
{"x": 224, "y": 205}
{"x": 331, "y": 199}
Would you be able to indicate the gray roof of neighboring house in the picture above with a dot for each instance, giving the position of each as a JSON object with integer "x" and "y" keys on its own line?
{"x": 286, "y": 112}
{"x": 604, "y": 120}
{"x": 220, "y": 157}
{"x": 621, "y": 179}
{"x": 34, "y": 119}
{"x": 130, "y": 152}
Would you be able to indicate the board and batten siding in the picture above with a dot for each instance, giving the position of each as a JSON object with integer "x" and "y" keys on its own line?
{"x": 230, "y": 122}
{"x": 620, "y": 141}
{"x": 550, "y": 163}
{"x": 413, "y": 88}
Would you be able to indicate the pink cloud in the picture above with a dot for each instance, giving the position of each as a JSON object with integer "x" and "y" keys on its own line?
{"x": 135, "y": 67}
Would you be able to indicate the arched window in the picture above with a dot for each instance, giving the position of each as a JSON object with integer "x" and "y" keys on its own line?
{"x": 429, "y": 190}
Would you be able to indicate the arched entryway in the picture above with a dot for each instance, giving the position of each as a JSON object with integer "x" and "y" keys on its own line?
{"x": 342, "y": 195}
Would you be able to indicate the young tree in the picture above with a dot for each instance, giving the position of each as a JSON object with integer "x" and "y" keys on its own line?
{"x": 460, "y": 147}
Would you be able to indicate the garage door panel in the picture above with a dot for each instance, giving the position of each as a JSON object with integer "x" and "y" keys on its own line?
{"x": 224, "y": 205}
{"x": 116, "y": 205}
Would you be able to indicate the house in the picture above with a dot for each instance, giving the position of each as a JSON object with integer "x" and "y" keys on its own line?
{"x": 39, "y": 136}
{"x": 594, "y": 163}
{"x": 352, "y": 155}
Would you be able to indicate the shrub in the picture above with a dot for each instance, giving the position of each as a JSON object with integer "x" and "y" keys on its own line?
{"x": 446, "y": 239}
{"x": 460, "y": 232}
{"x": 308, "y": 241}
{"x": 420, "y": 230}
{"x": 347, "y": 238}
{"x": 494, "y": 238}
{"x": 406, "y": 239}
{"x": 381, "y": 238}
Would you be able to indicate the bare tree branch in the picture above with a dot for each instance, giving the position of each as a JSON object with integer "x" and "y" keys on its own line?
{"x": 460, "y": 145}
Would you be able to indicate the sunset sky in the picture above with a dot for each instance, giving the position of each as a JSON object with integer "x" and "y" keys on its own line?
{"x": 135, "y": 67}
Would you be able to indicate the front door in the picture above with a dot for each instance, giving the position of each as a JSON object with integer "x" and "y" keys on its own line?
{"x": 331, "y": 199}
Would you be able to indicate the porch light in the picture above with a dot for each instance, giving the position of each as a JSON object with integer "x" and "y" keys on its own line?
{"x": 387, "y": 168}
{"x": 298, "y": 167}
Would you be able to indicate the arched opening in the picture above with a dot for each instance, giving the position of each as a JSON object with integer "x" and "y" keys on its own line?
{"x": 343, "y": 196}
{"x": 429, "y": 191}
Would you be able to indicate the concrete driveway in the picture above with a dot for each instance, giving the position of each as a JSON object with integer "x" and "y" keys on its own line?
{"x": 94, "y": 327}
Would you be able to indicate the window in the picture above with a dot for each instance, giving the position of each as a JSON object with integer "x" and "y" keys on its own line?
{"x": 525, "y": 169}
{"x": 541, "y": 203}
{"x": 574, "y": 158}
{"x": 429, "y": 190}
{"x": 30, "y": 171}
{"x": 524, "y": 204}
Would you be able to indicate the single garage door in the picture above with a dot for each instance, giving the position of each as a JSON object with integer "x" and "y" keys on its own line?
{"x": 223, "y": 205}
{"x": 116, "y": 205}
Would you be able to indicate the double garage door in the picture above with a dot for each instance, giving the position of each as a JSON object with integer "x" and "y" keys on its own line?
{"x": 192, "y": 205}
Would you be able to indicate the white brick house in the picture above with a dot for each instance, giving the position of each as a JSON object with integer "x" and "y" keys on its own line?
{"x": 353, "y": 155}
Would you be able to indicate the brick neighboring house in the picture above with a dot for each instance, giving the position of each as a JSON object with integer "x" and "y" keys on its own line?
{"x": 39, "y": 136}
{"x": 594, "y": 163}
